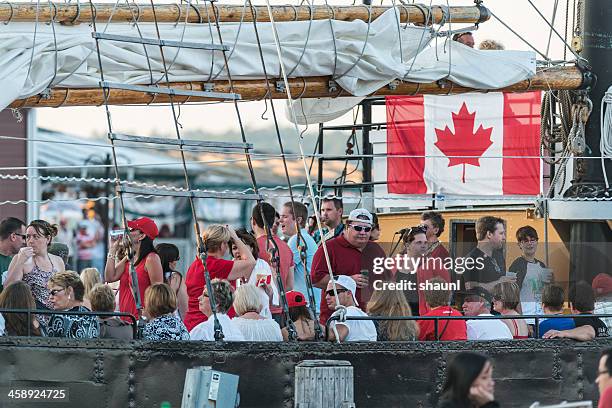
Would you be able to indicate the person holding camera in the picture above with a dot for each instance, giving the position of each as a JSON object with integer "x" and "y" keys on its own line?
{"x": 147, "y": 263}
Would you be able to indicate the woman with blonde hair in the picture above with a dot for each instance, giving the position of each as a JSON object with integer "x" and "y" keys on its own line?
{"x": 253, "y": 326}
{"x": 387, "y": 303}
{"x": 66, "y": 294}
{"x": 224, "y": 297}
{"x": 217, "y": 240}
{"x": 111, "y": 327}
{"x": 90, "y": 278}
{"x": 506, "y": 299}
{"x": 160, "y": 304}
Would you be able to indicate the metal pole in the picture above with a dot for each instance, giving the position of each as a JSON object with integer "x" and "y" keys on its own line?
{"x": 586, "y": 237}
{"x": 320, "y": 161}
{"x": 366, "y": 146}
{"x": 105, "y": 203}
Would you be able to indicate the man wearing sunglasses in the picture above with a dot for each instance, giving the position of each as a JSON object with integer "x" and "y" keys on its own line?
{"x": 351, "y": 254}
{"x": 12, "y": 239}
{"x": 349, "y": 330}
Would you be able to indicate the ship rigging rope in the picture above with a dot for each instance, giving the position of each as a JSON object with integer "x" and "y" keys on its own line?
{"x": 506, "y": 200}
{"x": 552, "y": 28}
{"x": 261, "y": 156}
{"x": 553, "y": 18}
{"x": 605, "y": 144}
{"x": 301, "y": 244}
{"x": 127, "y": 241}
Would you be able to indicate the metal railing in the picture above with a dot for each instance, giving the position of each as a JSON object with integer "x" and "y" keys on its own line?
{"x": 437, "y": 319}
{"x": 31, "y": 312}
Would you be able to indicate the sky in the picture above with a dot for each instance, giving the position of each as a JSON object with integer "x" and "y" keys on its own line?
{"x": 221, "y": 118}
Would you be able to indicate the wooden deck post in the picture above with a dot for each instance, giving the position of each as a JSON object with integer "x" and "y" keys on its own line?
{"x": 324, "y": 384}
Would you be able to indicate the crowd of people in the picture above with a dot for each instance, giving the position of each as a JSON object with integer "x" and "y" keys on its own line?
{"x": 275, "y": 286}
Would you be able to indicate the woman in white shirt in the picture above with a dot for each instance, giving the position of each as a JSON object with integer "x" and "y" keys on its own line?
{"x": 224, "y": 298}
{"x": 253, "y": 326}
{"x": 261, "y": 275}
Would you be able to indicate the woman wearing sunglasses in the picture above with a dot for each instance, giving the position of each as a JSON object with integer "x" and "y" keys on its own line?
{"x": 66, "y": 294}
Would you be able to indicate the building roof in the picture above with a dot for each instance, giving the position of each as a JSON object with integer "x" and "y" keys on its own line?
{"x": 72, "y": 155}
{"x": 76, "y": 155}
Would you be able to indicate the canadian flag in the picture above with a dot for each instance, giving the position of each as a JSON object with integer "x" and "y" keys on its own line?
{"x": 469, "y": 144}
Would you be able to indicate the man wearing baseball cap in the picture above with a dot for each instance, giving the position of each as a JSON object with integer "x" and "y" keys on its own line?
{"x": 477, "y": 302}
{"x": 349, "y": 330}
{"x": 351, "y": 254}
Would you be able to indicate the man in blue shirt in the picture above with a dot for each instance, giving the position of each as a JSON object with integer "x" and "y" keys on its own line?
{"x": 288, "y": 222}
{"x": 553, "y": 298}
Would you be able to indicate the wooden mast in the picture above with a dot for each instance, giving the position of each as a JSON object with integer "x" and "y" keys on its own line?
{"x": 75, "y": 13}
{"x": 558, "y": 78}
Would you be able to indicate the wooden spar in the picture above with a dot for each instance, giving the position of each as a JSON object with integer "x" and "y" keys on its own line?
{"x": 558, "y": 78}
{"x": 74, "y": 13}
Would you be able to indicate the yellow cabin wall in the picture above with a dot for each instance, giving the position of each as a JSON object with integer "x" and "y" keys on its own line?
{"x": 515, "y": 218}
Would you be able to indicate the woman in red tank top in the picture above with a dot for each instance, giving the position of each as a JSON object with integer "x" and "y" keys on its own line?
{"x": 147, "y": 264}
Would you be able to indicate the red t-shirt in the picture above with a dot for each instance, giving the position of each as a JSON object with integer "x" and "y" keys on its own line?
{"x": 127, "y": 303}
{"x": 447, "y": 329}
{"x": 605, "y": 399}
{"x": 440, "y": 252}
{"x": 425, "y": 274}
{"x": 286, "y": 262}
{"x": 345, "y": 259}
{"x": 217, "y": 269}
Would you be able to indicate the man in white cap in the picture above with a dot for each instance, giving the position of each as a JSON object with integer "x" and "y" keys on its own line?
{"x": 351, "y": 254}
{"x": 348, "y": 330}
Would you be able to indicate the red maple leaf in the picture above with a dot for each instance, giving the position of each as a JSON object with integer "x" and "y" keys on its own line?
{"x": 464, "y": 142}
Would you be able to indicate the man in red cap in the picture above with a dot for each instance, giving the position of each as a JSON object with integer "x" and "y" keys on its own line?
{"x": 602, "y": 287}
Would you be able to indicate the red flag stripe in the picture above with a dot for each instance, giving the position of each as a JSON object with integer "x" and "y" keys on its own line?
{"x": 521, "y": 130}
{"x": 405, "y": 137}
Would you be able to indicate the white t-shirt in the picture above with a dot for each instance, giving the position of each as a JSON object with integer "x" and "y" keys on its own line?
{"x": 487, "y": 329}
{"x": 359, "y": 330}
{"x": 263, "y": 268}
{"x": 531, "y": 291}
{"x": 206, "y": 330}
{"x": 259, "y": 330}
{"x": 1, "y": 325}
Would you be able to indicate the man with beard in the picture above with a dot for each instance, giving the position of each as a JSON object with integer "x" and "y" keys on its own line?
{"x": 484, "y": 267}
{"x": 331, "y": 217}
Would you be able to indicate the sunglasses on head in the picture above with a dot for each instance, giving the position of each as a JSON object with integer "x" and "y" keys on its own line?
{"x": 331, "y": 291}
{"x": 360, "y": 228}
